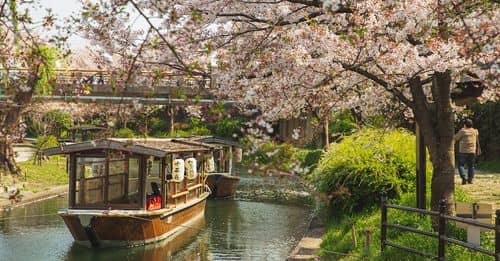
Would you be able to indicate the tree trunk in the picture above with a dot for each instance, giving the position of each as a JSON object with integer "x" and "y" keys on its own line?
{"x": 10, "y": 123}
{"x": 326, "y": 135}
{"x": 7, "y": 160}
{"x": 436, "y": 121}
{"x": 171, "y": 118}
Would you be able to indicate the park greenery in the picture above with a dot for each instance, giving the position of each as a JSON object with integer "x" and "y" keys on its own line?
{"x": 365, "y": 164}
{"x": 349, "y": 64}
{"x": 42, "y": 177}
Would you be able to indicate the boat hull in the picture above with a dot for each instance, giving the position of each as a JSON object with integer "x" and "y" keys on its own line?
{"x": 131, "y": 230}
{"x": 222, "y": 185}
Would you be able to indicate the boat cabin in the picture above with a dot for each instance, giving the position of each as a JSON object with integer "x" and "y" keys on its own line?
{"x": 134, "y": 174}
{"x": 226, "y": 153}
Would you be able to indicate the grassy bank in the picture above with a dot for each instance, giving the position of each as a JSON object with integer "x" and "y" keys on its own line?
{"x": 50, "y": 173}
{"x": 338, "y": 237}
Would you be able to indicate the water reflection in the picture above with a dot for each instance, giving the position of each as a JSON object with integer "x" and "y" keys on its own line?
{"x": 231, "y": 230}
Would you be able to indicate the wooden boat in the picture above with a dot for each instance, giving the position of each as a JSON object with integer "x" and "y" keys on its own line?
{"x": 126, "y": 192}
{"x": 222, "y": 180}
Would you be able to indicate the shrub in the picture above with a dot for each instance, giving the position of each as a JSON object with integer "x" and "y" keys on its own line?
{"x": 343, "y": 122}
{"x": 271, "y": 156}
{"x": 158, "y": 125}
{"x": 227, "y": 127}
{"x": 125, "y": 133}
{"x": 43, "y": 142}
{"x": 354, "y": 172}
{"x": 58, "y": 122}
{"x": 308, "y": 159}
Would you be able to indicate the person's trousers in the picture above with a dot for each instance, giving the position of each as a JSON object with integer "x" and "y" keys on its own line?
{"x": 466, "y": 159}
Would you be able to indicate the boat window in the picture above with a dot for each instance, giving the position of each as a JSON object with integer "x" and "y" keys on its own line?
{"x": 153, "y": 174}
{"x": 133, "y": 195}
{"x": 119, "y": 188}
{"x": 117, "y": 180}
{"x": 153, "y": 183}
{"x": 90, "y": 174}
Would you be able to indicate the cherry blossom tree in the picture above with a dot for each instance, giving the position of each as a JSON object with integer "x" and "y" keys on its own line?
{"x": 20, "y": 47}
{"x": 288, "y": 57}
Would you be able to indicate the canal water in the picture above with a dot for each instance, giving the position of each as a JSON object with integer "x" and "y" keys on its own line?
{"x": 231, "y": 230}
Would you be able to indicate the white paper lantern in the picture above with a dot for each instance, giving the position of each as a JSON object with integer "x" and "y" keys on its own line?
{"x": 178, "y": 171}
{"x": 190, "y": 164}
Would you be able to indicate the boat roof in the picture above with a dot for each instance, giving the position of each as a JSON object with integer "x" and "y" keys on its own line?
{"x": 213, "y": 140}
{"x": 154, "y": 147}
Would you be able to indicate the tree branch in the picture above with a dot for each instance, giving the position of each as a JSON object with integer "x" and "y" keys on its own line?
{"x": 398, "y": 94}
{"x": 169, "y": 45}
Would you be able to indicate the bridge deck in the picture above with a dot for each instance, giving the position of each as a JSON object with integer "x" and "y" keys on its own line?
{"x": 99, "y": 85}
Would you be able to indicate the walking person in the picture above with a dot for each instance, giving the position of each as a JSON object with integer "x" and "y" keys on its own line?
{"x": 468, "y": 149}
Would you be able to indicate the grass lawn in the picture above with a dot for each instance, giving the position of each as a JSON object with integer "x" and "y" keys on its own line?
{"x": 50, "y": 173}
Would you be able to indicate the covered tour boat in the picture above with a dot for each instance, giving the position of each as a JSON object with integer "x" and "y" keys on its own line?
{"x": 125, "y": 192}
{"x": 221, "y": 176}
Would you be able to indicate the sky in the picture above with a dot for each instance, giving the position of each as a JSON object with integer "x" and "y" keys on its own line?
{"x": 62, "y": 9}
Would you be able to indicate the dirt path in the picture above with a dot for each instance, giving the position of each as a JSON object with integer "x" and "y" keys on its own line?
{"x": 485, "y": 189}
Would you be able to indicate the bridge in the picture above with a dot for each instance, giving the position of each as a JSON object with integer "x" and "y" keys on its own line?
{"x": 147, "y": 87}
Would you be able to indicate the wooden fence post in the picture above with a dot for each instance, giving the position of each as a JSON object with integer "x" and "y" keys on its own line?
{"x": 441, "y": 230}
{"x": 497, "y": 235}
{"x": 367, "y": 241}
{"x": 383, "y": 221}
{"x": 353, "y": 234}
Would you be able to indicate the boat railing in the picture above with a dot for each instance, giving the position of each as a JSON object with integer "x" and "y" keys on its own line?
{"x": 185, "y": 190}
{"x": 220, "y": 173}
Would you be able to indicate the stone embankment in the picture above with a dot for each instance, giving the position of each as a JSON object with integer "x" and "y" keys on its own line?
{"x": 309, "y": 245}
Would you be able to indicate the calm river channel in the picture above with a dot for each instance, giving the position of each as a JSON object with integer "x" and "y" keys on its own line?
{"x": 231, "y": 230}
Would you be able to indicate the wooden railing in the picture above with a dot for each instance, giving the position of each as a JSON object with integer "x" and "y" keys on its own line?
{"x": 69, "y": 82}
{"x": 441, "y": 235}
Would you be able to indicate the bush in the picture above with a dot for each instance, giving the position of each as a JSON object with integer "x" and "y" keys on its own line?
{"x": 227, "y": 127}
{"x": 354, "y": 172}
{"x": 58, "y": 122}
{"x": 125, "y": 133}
{"x": 271, "y": 156}
{"x": 157, "y": 126}
{"x": 44, "y": 142}
{"x": 308, "y": 159}
{"x": 343, "y": 122}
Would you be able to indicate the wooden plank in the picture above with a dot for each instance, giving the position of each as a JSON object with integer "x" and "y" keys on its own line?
{"x": 484, "y": 213}
{"x": 106, "y": 178}
{"x": 163, "y": 191}
{"x": 194, "y": 187}
{"x": 126, "y": 180}
{"x": 142, "y": 180}
{"x": 72, "y": 180}
{"x": 180, "y": 194}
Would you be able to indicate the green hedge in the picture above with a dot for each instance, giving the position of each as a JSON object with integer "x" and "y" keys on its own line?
{"x": 125, "y": 133}
{"x": 308, "y": 159}
{"x": 354, "y": 172}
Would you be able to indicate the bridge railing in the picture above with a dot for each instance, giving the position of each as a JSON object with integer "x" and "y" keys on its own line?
{"x": 101, "y": 82}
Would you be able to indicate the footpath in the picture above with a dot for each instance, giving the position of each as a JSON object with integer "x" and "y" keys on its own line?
{"x": 28, "y": 198}
{"x": 308, "y": 246}
{"x": 484, "y": 189}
